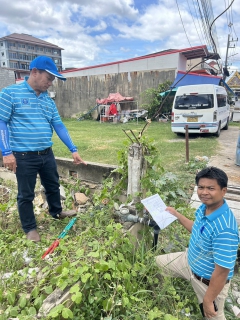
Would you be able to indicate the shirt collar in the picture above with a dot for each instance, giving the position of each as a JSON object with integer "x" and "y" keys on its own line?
{"x": 215, "y": 214}
{"x": 31, "y": 90}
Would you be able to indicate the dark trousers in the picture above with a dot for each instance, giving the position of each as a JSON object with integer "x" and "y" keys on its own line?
{"x": 28, "y": 166}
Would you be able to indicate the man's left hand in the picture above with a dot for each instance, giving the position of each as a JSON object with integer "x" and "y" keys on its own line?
{"x": 77, "y": 159}
{"x": 208, "y": 308}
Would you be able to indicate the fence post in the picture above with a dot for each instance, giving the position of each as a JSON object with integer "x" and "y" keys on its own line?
{"x": 187, "y": 143}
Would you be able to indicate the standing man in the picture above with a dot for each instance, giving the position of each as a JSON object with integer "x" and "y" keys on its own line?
{"x": 210, "y": 259}
{"x": 27, "y": 119}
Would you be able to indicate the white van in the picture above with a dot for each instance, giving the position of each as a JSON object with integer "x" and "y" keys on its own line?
{"x": 203, "y": 107}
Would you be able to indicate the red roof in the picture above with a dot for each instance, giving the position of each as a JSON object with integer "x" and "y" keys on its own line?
{"x": 189, "y": 53}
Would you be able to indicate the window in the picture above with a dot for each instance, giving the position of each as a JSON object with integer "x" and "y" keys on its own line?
{"x": 196, "y": 101}
{"x": 41, "y": 49}
{"x": 55, "y": 51}
{"x": 3, "y": 63}
{"x": 14, "y": 65}
{"x": 56, "y": 60}
{"x": 2, "y": 54}
{"x": 221, "y": 100}
{"x": 30, "y": 47}
{"x": 12, "y": 55}
{"x": 1, "y": 44}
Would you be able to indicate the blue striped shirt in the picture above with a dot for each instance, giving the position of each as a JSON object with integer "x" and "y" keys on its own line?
{"x": 29, "y": 117}
{"x": 214, "y": 240}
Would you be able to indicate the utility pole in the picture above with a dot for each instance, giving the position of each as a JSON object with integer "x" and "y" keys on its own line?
{"x": 225, "y": 70}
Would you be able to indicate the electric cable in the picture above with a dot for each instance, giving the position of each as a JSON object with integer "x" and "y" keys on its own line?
{"x": 208, "y": 42}
{"x": 210, "y": 31}
{"x": 198, "y": 18}
{"x": 183, "y": 24}
{"x": 157, "y": 113}
{"x": 194, "y": 22}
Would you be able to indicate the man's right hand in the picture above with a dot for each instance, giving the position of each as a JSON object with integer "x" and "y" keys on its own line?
{"x": 187, "y": 223}
{"x": 10, "y": 163}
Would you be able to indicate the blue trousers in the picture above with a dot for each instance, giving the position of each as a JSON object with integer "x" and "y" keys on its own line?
{"x": 28, "y": 166}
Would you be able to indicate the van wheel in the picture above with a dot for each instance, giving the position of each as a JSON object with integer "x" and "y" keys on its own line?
{"x": 219, "y": 130}
{"x": 227, "y": 124}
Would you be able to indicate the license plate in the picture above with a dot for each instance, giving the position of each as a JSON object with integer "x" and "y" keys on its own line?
{"x": 195, "y": 119}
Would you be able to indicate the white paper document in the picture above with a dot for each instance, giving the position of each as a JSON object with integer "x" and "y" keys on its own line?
{"x": 156, "y": 207}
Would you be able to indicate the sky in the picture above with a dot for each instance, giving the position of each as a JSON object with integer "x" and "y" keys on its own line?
{"x": 101, "y": 31}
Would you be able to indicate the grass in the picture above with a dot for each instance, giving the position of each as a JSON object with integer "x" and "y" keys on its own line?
{"x": 100, "y": 142}
{"x": 95, "y": 231}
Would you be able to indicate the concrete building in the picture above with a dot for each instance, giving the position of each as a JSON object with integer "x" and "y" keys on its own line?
{"x": 171, "y": 59}
{"x": 18, "y": 50}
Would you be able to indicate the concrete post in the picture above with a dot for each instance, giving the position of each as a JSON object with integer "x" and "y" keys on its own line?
{"x": 135, "y": 165}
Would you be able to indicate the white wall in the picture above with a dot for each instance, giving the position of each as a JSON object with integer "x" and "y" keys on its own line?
{"x": 182, "y": 62}
{"x": 161, "y": 62}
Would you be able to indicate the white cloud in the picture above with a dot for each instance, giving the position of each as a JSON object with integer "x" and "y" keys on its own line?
{"x": 100, "y": 31}
{"x": 103, "y": 8}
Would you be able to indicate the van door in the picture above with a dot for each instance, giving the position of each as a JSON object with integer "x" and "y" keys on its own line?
{"x": 223, "y": 110}
{"x": 193, "y": 108}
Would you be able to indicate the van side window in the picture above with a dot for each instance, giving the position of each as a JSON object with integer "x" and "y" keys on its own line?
{"x": 221, "y": 100}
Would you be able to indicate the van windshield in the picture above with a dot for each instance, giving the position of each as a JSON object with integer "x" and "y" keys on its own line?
{"x": 198, "y": 101}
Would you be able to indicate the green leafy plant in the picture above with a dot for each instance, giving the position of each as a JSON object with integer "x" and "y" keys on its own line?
{"x": 106, "y": 275}
{"x": 152, "y": 99}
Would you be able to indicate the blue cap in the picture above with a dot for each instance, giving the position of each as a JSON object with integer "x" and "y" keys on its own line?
{"x": 47, "y": 64}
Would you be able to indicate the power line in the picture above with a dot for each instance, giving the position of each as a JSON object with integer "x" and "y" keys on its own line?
{"x": 198, "y": 18}
{"x": 183, "y": 24}
{"x": 194, "y": 22}
{"x": 208, "y": 17}
{"x": 205, "y": 30}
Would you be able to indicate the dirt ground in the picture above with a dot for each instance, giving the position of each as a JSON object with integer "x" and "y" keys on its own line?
{"x": 226, "y": 155}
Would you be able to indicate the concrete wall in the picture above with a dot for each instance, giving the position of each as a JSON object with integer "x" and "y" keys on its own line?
{"x": 79, "y": 94}
{"x": 7, "y": 77}
{"x": 93, "y": 172}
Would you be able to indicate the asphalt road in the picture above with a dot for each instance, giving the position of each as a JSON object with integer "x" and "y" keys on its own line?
{"x": 226, "y": 154}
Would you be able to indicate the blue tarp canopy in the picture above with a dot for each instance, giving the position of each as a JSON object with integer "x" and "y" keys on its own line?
{"x": 184, "y": 79}
{"x": 172, "y": 92}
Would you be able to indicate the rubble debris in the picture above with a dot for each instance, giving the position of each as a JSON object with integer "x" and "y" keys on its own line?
{"x": 80, "y": 198}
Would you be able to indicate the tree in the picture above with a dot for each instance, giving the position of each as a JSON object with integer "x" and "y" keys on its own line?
{"x": 152, "y": 100}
